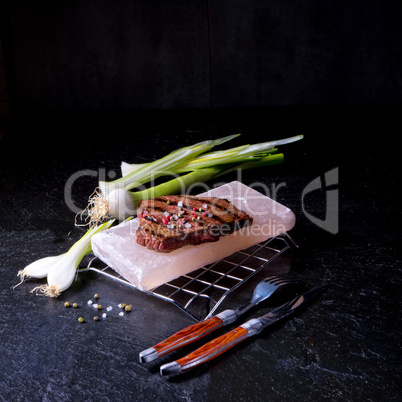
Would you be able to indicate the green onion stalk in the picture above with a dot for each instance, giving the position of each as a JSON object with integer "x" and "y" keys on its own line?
{"x": 189, "y": 166}
{"x": 170, "y": 163}
{"x": 180, "y": 184}
{"x": 112, "y": 199}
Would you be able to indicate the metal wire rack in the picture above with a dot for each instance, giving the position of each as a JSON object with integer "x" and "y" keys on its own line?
{"x": 203, "y": 290}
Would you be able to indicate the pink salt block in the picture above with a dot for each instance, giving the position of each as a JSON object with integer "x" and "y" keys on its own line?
{"x": 147, "y": 269}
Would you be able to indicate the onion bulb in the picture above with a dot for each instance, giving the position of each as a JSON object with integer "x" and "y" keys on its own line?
{"x": 38, "y": 269}
{"x": 60, "y": 270}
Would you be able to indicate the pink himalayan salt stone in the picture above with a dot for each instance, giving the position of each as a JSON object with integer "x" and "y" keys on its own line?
{"x": 148, "y": 269}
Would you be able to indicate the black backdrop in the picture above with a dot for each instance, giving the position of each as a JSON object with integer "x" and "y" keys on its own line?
{"x": 99, "y": 72}
{"x": 128, "y": 55}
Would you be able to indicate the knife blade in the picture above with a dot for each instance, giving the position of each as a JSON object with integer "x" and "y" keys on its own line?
{"x": 252, "y": 327}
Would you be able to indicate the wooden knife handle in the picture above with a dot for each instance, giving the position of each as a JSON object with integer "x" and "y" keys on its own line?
{"x": 213, "y": 348}
{"x": 188, "y": 335}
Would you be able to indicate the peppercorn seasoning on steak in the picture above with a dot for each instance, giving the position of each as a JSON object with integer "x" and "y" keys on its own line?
{"x": 171, "y": 222}
{"x": 147, "y": 269}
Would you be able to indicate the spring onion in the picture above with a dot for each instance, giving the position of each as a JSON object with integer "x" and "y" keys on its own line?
{"x": 242, "y": 154}
{"x": 181, "y": 184}
{"x": 194, "y": 164}
{"x": 61, "y": 270}
{"x": 113, "y": 201}
{"x": 169, "y": 163}
{"x": 37, "y": 269}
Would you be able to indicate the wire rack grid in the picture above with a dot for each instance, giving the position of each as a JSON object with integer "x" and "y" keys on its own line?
{"x": 201, "y": 292}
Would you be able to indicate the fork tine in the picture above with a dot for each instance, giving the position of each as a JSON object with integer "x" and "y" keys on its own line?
{"x": 273, "y": 279}
{"x": 287, "y": 282}
{"x": 282, "y": 280}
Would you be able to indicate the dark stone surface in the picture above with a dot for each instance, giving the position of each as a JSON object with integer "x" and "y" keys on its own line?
{"x": 345, "y": 346}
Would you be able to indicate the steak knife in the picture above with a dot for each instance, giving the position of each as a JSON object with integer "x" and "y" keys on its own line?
{"x": 252, "y": 327}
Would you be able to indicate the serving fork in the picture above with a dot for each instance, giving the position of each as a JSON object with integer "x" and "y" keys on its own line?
{"x": 192, "y": 333}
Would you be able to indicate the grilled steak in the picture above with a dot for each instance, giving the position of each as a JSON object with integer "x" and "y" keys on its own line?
{"x": 170, "y": 222}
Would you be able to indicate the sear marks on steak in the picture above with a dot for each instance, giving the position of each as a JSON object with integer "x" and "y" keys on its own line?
{"x": 170, "y": 222}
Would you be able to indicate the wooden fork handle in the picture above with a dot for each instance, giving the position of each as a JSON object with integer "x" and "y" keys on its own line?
{"x": 188, "y": 335}
{"x": 182, "y": 338}
{"x": 206, "y": 352}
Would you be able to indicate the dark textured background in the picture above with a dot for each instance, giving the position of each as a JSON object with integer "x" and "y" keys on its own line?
{"x": 124, "y": 55}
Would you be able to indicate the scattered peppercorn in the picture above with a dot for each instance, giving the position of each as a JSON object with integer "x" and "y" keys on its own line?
{"x": 75, "y": 305}
{"x": 96, "y": 318}
{"x": 96, "y": 296}
{"x": 99, "y": 307}
{"x": 128, "y": 308}
{"x": 67, "y": 304}
{"x": 80, "y": 320}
